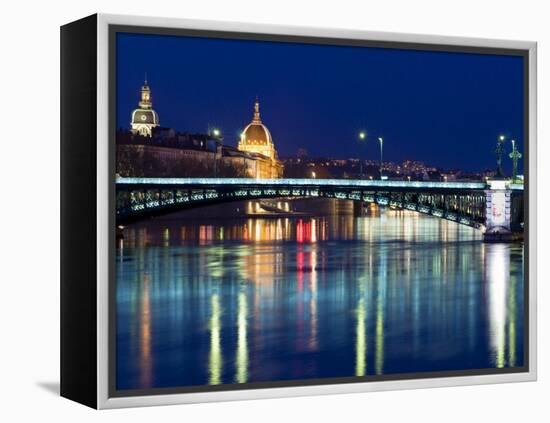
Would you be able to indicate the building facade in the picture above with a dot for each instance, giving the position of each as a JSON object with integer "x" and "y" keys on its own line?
{"x": 151, "y": 150}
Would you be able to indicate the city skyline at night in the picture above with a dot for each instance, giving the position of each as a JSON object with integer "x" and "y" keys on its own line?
{"x": 290, "y": 211}
{"x": 445, "y": 109}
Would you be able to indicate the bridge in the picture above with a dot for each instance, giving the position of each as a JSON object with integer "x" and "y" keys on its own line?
{"x": 496, "y": 207}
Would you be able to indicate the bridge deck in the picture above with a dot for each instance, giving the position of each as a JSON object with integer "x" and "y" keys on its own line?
{"x": 360, "y": 183}
{"x": 459, "y": 201}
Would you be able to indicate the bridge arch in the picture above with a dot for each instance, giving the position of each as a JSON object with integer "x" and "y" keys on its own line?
{"x": 461, "y": 204}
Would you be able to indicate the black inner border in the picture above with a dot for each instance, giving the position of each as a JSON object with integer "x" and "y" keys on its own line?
{"x": 112, "y": 32}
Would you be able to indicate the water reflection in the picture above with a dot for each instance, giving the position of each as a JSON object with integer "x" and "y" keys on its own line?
{"x": 401, "y": 225}
{"x": 146, "y": 364}
{"x": 361, "y": 343}
{"x": 242, "y": 346}
{"x": 249, "y": 300}
{"x": 215, "y": 359}
{"x": 502, "y": 307}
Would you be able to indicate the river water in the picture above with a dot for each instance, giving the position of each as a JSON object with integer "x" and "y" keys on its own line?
{"x": 237, "y": 300}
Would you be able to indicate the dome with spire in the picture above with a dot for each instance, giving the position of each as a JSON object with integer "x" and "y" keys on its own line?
{"x": 256, "y": 138}
{"x": 144, "y": 118}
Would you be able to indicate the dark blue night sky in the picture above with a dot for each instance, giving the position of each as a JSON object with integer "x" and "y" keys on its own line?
{"x": 445, "y": 109}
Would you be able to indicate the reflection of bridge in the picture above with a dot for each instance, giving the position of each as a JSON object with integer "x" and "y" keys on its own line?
{"x": 493, "y": 206}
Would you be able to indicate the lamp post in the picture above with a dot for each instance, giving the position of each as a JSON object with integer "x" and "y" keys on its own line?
{"x": 381, "y": 140}
{"x": 514, "y": 155}
{"x": 362, "y": 137}
{"x": 499, "y": 150}
{"x": 216, "y": 135}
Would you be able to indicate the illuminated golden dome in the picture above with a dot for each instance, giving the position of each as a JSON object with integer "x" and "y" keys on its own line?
{"x": 256, "y": 133}
{"x": 256, "y": 138}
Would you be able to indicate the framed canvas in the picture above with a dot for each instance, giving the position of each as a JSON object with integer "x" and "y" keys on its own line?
{"x": 254, "y": 211}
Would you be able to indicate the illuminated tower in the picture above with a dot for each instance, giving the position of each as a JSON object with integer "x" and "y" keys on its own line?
{"x": 256, "y": 138}
{"x": 144, "y": 118}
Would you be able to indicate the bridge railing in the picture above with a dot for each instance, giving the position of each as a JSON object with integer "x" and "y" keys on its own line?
{"x": 360, "y": 183}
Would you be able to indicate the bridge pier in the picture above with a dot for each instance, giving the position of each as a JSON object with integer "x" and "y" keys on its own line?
{"x": 498, "y": 224}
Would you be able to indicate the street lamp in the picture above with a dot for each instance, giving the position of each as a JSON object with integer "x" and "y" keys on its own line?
{"x": 313, "y": 174}
{"x": 216, "y": 135}
{"x": 381, "y": 140}
{"x": 362, "y": 137}
{"x": 499, "y": 150}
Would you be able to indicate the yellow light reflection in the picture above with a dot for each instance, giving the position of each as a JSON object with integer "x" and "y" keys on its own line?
{"x": 361, "y": 340}
{"x": 215, "y": 360}
{"x": 313, "y": 230}
{"x": 146, "y": 365}
{"x": 279, "y": 230}
{"x": 379, "y": 355}
{"x": 242, "y": 342}
{"x": 258, "y": 230}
